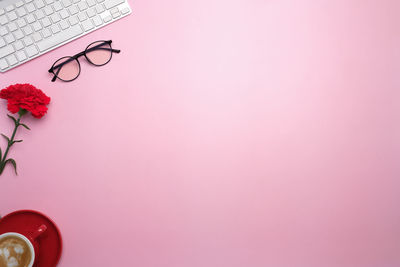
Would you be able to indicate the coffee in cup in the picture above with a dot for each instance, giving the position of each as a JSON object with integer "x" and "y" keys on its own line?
{"x": 16, "y": 251}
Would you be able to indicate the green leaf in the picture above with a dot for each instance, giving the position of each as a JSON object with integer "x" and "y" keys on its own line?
{"x": 8, "y": 139}
{"x": 12, "y": 161}
{"x": 23, "y": 125}
{"x": 14, "y": 119}
{"x": 17, "y": 141}
{"x": 0, "y": 154}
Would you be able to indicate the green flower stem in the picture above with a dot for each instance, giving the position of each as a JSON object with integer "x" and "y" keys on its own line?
{"x": 10, "y": 143}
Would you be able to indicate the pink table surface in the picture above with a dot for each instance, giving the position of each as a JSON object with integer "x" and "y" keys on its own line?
{"x": 240, "y": 133}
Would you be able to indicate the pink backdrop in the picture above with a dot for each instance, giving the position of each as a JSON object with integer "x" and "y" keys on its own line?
{"x": 227, "y": 133}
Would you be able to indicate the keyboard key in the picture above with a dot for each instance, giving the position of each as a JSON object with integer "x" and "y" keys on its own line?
{"x": 66, "y": 3}
{"x": 9, "y": 38}
{"x": 57, "y": 6}
{"x": 82, "y": 16}
{"x": 116, "y": 14}
{"x": 82, "y": 5}
{"x": 21, "y": 55}
{"x": 31, "y": 51}
{"x": 76, "y": 1}
{"x": 19, "y": 4}
{"x": 54, "y": 28}
{"x": 100, "y": 9}
{"x": 125, "y": 10}
{"x": 30, "y": 18}
{"x": 36, "y": 26}
{"x": 36, "y": 37}
{"x": 39, "y": 4}
{"x": 21, "y": 11}
{"x": 48, "y": 10}
{"x": 91, "y": 3}
{"x": 28, "y": 1}
{"x": 87, "y": 25}
{"x": 2, "y": 11}
{"x": 114, "y": 10}
{"x": 27, "y": 41}
{"x": 46, "y": 33}
{"x": 64, "y": 14}
{"x": 49, "y": 1}
{"x": 12, "y": 60}
{"x": 3, "y": 64}
{"x": 30, "y": 7}
{"x": 5, "y": 51}
{"x": 27, "y": 30}
{"x": 73, "y": 10}
{"x": 107, "y": 19}
{"x": 97, "y": 21}
{"x": 73, "y": 20}
{"x": 12, "y": 26}
{"x": 55, "y": 18}
{"x": 64, "y": 25}
{"x": 18, "y": 34}
{"x": 12, "y": 15}
{"x": 112, "y": 3}
{"x": 46, "y": 22}
{"x": 3, "y": 31}
{"x": 3, "y": 20}
{"x": 60, "y": 38}
{"x": 21, "y": 23}
{"x": 39, "y": 14}
{"x": 9, "y": 8}
{"x": 18, "y": 45}
{"x": 99, "y": 1}
{"x": 2, "y": 42}
{"x": 91, "y": 12}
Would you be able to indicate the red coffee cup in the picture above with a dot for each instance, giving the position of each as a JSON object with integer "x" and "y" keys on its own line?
{"x": 30, "y": 240}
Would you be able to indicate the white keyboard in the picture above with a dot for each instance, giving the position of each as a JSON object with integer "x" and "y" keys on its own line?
{"x": 30, "y": 28}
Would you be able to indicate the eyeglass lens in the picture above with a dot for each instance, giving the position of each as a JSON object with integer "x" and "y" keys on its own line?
{"x": 66, "y": 68}
{"x": 99, "y": 53}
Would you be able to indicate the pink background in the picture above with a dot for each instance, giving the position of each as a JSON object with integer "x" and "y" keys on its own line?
{"x": 227, "y": 133}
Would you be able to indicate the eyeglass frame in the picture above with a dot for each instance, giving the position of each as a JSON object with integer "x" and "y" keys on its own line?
{"x": 77, "y": 56}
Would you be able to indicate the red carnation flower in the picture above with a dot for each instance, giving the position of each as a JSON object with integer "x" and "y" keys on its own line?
{"x": 27, "y": 97}
{"x": 21, "y": 98}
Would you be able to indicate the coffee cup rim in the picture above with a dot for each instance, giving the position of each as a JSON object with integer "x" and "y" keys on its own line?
{"x": 30, "y": 245}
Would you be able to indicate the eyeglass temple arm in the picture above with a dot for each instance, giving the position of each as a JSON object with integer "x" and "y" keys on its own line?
{"x": 55, "y": 75}
{"x": 63, "y": 63}
{"x": 58, "y": 67}
{"x": 99, "y": 47}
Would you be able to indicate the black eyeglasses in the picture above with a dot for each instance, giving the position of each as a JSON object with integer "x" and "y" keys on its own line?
{"x": 97, "y": 53}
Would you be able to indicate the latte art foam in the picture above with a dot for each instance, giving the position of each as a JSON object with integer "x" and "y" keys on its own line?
{"x": 14, "y": 252}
